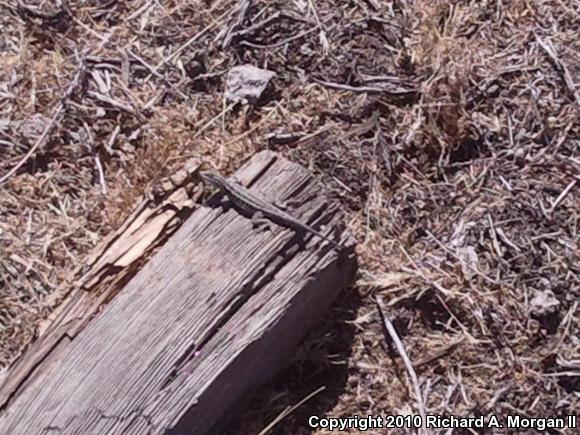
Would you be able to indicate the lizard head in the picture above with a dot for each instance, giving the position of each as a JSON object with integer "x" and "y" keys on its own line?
{"x": 211, "y": 178}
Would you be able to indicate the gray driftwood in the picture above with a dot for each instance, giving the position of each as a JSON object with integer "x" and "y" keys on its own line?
{"x": 215, "y": 313}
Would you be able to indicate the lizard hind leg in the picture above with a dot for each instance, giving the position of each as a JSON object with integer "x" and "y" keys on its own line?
{"x": 259, "y": 221}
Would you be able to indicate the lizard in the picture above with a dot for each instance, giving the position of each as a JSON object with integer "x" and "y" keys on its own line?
{"x": 251, "y": 204}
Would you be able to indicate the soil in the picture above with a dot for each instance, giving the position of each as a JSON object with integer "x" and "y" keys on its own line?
{"x": 448, "y": 129}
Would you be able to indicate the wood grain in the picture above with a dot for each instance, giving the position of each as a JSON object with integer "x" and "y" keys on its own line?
{"x": 113, "y": 263}
{"x": 216, "y": 312}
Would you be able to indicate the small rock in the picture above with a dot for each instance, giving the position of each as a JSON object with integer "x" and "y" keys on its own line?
{"x": 246, "y": 83}
{"x": 544, "y": 303}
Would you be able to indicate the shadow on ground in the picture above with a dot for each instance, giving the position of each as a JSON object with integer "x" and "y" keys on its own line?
{"x": 321, "y": 361}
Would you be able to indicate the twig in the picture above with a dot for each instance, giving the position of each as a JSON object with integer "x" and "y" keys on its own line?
{"x": 256, "y": 26}
{"x": 401, "y": 349}
{"x": 49, "y": 127}
{"x": 111, "y": 141}
{"x": 139, "y": 11}
{"x": 12, "y": 8}
{"x": 37, "y": 13}
{"x": 547, "y": 47}
{"x": 260, "y": 24}
{"x": 242, "y": 9}
{"x": 214, "y": 119}
{"x": 450, "y": 252}
{"x": 112, "y": 102}
{"x": 498, "y": 394}
{"x": 102, "y": 181}
{"x": 322, "y": 32}
{"x": 232, "y": 141}
{"x": 440, "y": 353}
{"x": 289, "y": 410}
{"x": 188, "y": 43}
{"x": 367, "y": 89}
{"x": 281, "y": 43}
{"x": 562, "y": 195}
{"x": 156, "y": 74}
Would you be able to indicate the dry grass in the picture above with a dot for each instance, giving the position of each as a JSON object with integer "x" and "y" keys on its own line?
{"x": 455, "y": 150}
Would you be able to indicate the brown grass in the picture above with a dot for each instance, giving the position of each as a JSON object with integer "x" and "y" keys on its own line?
{"x": 456, "y": 179}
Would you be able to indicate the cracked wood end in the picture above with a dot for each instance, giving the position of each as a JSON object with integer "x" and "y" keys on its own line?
{"x": 216, "y": 312}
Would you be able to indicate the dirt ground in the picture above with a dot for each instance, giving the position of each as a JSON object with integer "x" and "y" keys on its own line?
{"x": 448, "y": 129}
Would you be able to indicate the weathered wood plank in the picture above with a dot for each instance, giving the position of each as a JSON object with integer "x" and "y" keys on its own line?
{"x": 214, "y": 313}
{"x": 114, "y": 262}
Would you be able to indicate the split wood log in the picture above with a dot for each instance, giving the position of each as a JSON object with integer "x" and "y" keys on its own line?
{"x": 112, "y": 264}
{"x": 216, "y": 312}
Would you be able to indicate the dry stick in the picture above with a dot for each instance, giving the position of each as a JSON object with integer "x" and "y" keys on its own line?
{"x": 101, "y": 175}
{"x": 207, "y": 125}
{"x": 548, "y": 48}
{"x": 235, "y": 139}
{"x": 187, "y": 44}
{"x": 367, "y": 89}
{"x": 256, "y": 26}
{"x": 439, "y": 354}
{"x": 566, "y": 321}
{"x": 289, "y": 410}
{"x": 156, "y": 74}
{"x": 401, "y": 349}
{"x": 214, "y": 119}
{"x": 281, "y": 43}
{"x": 37, "y": 13}
{"x": 242, "y": 9}
{"x": 139, "y": 11}
{"x": 563, "y": 195}
{"x": 450, "y": 252}
{"x": 48, "y": 129}
{"x": 252, "y": 129}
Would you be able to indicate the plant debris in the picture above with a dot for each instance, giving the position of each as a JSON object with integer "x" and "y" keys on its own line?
{"x": 449, "y": 130}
